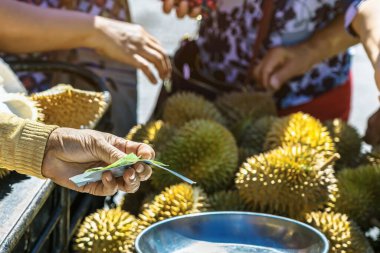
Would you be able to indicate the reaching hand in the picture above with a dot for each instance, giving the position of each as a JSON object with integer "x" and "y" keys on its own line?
{"x": 70, "y": 152}
{"x": 372, "y": 135}
{"x": 281, "y": 64}
{"x": 182, "y": 8}
{"x": 130, "y": 44}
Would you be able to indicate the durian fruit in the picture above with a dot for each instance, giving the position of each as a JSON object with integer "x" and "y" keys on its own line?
{"x": 359, "y": 194}
{"x": 3, "y": 173}
{"x": 227, "y": 201}
{"x": 174, "y": 201}
{"x": 288, "y": 181}
{"x": 202, "y": 150}
{"x": 22, "y": 106}
{"x": 154, "y": 133}
{"x": 300, "y": 128}
{"x": 186, "y": 106}
{"x": 251, "y": 142}
{"x": 111, "y": 230}
{"x": 347, "y": 142}
{"x": 242, "y": 108}
{"x": 68, "y": 107}
{"x": 344, "y": 235}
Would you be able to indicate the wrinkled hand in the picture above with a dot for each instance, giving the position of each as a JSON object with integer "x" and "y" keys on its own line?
{"x": 70, "y": 152}
{"x": 282, "y": 64}
{"x": 372, "y": 135}
{"x": 130, "y": 44}
{"x": 182, "y": 8}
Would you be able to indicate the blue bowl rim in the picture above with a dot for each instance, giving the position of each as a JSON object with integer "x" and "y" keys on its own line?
{"x": 317, "y": 232}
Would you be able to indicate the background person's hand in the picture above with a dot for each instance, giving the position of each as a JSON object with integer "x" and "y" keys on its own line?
{"x": 281, "y": 64}
{"x": 70, "y": 152}
{"x": 182, "y": 8}
{"x": 130, "y": 44}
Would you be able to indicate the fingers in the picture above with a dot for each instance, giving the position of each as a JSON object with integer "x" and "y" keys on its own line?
{"x": 143, "y": 171}
{"x": 158, "y": 60}
{"x": 143, "y": 65}
{"x": 140, "y": 149}
{"x": 109, "y": 184}
{"x": 195, "y": 12}
{"x": 130, "y": 181}
{"x": 182, "y": 9}
{"x": 168, "y": 6}
{"x": 168, "y": 66}
{"x": 106, "y": 152}
{"x": 274, "y": 59}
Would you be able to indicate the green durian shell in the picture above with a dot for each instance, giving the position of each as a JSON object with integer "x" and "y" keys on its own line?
{"x": 227, "y": 201}
{"x": 202, "y": 150}
{"x": 186, "y": 106}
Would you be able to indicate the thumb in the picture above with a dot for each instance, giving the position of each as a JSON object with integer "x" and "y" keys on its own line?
{"x": 107, "y": 153}
{"x": 282, "y": 75}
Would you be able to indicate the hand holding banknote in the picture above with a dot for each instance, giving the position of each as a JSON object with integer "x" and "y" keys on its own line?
{"x": 70, "y": 152}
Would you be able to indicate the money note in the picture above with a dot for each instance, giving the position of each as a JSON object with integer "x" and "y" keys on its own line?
{"x": 117, "y": 169}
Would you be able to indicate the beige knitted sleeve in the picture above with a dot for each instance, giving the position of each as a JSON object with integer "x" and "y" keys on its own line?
{"x": 22, "y": 144}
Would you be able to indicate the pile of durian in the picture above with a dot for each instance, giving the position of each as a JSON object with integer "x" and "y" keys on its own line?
{"x": 246, "y": 158}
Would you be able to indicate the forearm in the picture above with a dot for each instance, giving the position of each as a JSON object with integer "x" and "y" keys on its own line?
{"x": 22, "y": 144}
{"x": 367, "y": 26}
{"x": 27, "y": 28}
{"x": 330, "y": 41}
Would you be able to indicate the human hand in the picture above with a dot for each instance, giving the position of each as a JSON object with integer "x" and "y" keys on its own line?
{"x": 182, "y": 8}
{"x": 372, "y": 135}
{"x": 70, "y": 152}
{"x": 130, "y": 44}
{"x": 280, "y": 64}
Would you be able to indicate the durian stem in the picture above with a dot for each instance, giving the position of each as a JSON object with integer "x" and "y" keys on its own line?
{"x": 329, "y": 161}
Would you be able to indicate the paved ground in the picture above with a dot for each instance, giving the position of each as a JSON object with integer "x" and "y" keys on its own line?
{"x": 169, "y": 30}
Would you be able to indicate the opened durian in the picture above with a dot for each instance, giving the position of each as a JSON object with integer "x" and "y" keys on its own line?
{"x": 289, "y": 181}
{"x": 227, "y": 201}
{"x": 202, "y": 150}
{"x": 111, "y": 230}
{"x": 242, "y": 108}
{"x": 186, "y": 106}
{"x": 68, "y": 107}
{"x": 300, "y": 128}
{"x": 347, "y": 142}
{"x": 359, "y": 194}
{"x": 174, "y": 201}
{"x": 344, "y": 235}
{"x": 155, "y": 133}
{"x": 253, "y": 138}
{"x": 21, "y": 106}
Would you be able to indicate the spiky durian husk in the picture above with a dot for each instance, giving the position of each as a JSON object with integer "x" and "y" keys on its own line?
{"x": 241, "y": 108}
{"x": 227, "y": 201}
{"x": 186, "y": 106}
{"x": 289, "y": 181}
{"x": 68, "y": 107}
{"x": 343, "y": 234}
{"x": 111, "y": 230}
{"x": 252, "y": 140}
{"x": 347, "y": 142}
{"x": 202, "y": 150}
{"x": 359, "y": 194}
{"x": 154, "y": 133}
{"x": 3, "y": 173}
{"x": 300, "y": 128}
{"x": 174, "y": 201}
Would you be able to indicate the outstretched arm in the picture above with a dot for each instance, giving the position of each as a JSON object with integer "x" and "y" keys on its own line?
{"x": 26, "y": 28}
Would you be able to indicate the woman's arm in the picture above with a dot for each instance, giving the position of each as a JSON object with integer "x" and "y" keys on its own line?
{"x": 26, "y": 28}
{"x": 366, "y": 25}
{"x": 283, "y": 63}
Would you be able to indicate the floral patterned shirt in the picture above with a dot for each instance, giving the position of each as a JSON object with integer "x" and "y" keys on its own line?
{"x": 227, "y": 34}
